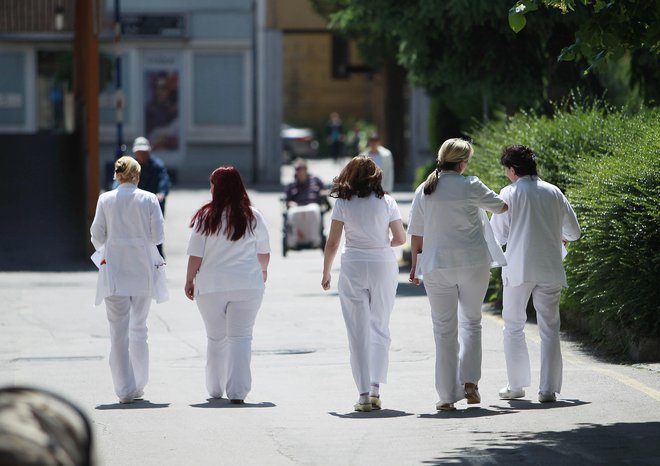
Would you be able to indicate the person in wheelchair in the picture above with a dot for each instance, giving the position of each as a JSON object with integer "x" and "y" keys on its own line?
{"x": 306, "y": 199}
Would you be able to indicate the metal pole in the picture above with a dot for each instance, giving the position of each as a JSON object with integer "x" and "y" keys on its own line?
{"x": 119, "y": 95}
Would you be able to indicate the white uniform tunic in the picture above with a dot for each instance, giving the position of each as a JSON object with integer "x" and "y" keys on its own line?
{"x": 539, "y": 216}
{"x": 456, "y": 263}
{"x": 229, "y": 288}
{"x": 367, "y": 283}
{"x": 126, "y": 229}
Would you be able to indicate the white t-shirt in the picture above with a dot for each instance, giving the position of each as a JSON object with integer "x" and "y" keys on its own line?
{"x": 230, "y": 265}
{"x": 367, "y": 226}
{"x": 539, "y": 216}
{"x": 450, "y": 221}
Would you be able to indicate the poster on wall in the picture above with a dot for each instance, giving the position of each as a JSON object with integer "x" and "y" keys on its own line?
{"x": 161, "y": 102}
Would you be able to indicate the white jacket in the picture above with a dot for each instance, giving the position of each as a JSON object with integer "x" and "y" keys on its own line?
{"x": 539, "y": 217}
{"x": 126, "y": 229}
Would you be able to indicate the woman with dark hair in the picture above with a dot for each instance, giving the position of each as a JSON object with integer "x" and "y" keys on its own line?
{"x": 447, "y": 219}
{"x": 368, "y": 280}
{"x": 228, "y": 260}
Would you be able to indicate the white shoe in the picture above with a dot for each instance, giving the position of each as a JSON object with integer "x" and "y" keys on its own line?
{"x": 139, "y": 396}
{"x": 508, "y": 393}
{"x": 547, "y": 397}
{"x": 363, "y": 407}
{"x": 375, "y": 402}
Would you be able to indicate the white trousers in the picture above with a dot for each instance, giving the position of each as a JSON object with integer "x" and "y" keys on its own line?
{"x": 229, "y": 318}
{"x": 304, "y": 225}
{"x": 456, "y": 296}
{"x": 129, "y": 351}
{"x": 366, "y": 293}
{"x": 546, "y": 302}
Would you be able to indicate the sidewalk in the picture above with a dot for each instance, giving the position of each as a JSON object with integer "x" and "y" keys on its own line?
{"x": 300, "y": 409}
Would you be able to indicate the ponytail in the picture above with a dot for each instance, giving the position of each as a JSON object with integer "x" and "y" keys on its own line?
{"x": 431, "y": 182}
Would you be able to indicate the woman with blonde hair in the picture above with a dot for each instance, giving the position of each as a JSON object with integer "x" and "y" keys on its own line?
{"x": 368, "y": 279}
{"x": 447, "y": 221}
{"x": 126, "y": 229}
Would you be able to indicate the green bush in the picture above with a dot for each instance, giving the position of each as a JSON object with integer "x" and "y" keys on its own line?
{"x": 607, "y": 161}
{"x": 614, "y": 269}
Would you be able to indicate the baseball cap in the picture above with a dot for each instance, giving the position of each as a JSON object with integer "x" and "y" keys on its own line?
{"x": 141, "y": 143}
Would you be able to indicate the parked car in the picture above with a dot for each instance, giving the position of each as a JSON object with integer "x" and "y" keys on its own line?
{"x": 297, "y": 142}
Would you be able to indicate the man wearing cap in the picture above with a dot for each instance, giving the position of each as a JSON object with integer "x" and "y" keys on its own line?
{"x": 153, "y": 176}
{"x": 383, "y": 158}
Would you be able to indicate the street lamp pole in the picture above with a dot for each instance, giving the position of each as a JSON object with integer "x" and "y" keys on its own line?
{"x": 119, "y": 95}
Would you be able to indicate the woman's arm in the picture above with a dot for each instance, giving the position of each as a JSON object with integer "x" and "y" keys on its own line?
{"x": 264, "y": 259}
{"x": 416, "y": 246}
{"x": 330, "y": 251}
{"x": 398, "y": 233}
{"x": 193, "y": 267}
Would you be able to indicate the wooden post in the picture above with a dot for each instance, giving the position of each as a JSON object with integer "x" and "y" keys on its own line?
{"x": 86, "y": 89}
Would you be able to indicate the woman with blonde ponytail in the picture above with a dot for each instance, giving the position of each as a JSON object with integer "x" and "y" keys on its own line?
{"x": 447, "y": 221}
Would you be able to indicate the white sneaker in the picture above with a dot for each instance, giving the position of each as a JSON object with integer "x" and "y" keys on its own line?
{"x": 547, "y": 397}
{"x": 508, "y": 393}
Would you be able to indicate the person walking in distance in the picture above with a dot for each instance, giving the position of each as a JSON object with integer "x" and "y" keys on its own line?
{"x": 539, "y": 220}
{"x": 383, "y": 158}
{"x": 153, "y": 175}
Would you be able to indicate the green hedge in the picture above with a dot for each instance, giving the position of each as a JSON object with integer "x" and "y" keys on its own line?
{"x": 614, "y": 270}
{"x": 607, "y": 161}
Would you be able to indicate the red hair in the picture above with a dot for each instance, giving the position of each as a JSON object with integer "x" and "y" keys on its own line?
{"x": 228, "y": 195}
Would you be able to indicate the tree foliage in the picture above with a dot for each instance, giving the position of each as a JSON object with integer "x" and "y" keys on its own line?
{"x": 609, "y": 28}
{"x": 462, "y": 52}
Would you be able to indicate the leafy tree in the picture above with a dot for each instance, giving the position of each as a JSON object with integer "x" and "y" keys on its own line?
{"x": 461, "y": 53}
{"x": 609, "y": 28}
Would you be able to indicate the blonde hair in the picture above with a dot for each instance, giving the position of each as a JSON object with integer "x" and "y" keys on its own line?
{"x": 450, "y": 155}
{"x": 127, "y": 170}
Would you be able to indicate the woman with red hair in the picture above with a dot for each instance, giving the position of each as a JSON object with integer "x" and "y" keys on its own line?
{"x": 228, "y": 260}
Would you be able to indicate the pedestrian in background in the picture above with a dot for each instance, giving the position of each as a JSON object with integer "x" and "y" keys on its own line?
{"x": 369, "y": 271}
{"x": 153, "y": 177}
{"x": 228, "y": 260}
{"x": 334, "y": 129}
{"x": 126, "y": 229}
{"x": 448, "y": 222}
{"x": 383, "y": 158}
{"x": 539, "y": 219}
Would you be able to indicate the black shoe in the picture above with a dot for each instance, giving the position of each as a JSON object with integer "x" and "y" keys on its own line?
{"x": 236, "y": 401}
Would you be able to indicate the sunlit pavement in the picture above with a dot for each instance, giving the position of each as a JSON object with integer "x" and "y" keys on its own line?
{"x": 300, "y": 407}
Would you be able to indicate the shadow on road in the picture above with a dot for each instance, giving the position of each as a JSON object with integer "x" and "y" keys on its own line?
{"x": 222, "y": 403}
{"x": 465, "y": 413}
{"x": 378, "y": 414}
{"x": 406, "y": 290}
{"x": 621, "y": 443}
{"x": 140, "y": 404}
{"x": 524, "y": 405}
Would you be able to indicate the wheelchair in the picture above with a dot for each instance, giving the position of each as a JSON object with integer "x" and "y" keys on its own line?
{"x": 287, "y": 233}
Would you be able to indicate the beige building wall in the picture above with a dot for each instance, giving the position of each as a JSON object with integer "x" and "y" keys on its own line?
{"x": 309, "y": 91}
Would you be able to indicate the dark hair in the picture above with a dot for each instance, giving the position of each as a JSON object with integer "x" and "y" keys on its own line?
{"x": 521, "y": 158}
{"x": 360, "y": 177}
{"x": 228, "y": 194}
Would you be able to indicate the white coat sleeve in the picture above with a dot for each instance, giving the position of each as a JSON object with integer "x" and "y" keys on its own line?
{"x": 157, "y": 222}
{"x": 500, "y": 222}
{"x": 484, "y": 197}
{"x": 416, "y": 218}
{"x": 261, "y": 233}
{"x": 570, "y": 228}
{"x": 99, "y": 228}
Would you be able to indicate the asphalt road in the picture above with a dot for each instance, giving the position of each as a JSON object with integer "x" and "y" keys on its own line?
{"x": 300, "y": 409}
